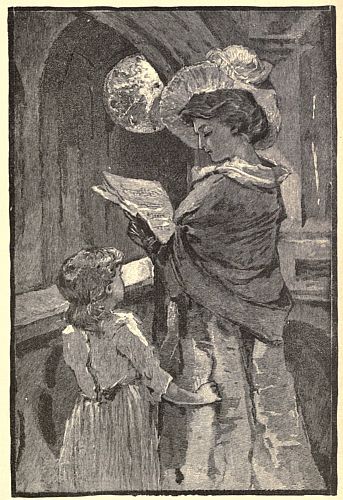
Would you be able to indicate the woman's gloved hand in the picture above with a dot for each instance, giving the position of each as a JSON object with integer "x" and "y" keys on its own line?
{"x": 141, "y": 234}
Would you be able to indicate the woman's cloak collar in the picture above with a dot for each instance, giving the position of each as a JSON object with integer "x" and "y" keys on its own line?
{"x": 267, "y": 176}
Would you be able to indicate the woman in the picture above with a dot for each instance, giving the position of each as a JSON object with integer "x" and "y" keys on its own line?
{"x": 221, "y": 266}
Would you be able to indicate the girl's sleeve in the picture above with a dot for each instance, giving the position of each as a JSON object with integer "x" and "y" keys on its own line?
{"x": 131, "y": 343}
{"x": 75, "y": 353}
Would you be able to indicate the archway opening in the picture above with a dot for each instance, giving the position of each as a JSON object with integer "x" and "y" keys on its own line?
{"x": 78, "y": 141}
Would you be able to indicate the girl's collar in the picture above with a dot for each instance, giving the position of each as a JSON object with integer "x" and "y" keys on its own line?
{"x": 68, "y": 329}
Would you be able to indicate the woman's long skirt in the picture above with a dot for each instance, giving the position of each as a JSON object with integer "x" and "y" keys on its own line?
{"x": 254, "y": 439}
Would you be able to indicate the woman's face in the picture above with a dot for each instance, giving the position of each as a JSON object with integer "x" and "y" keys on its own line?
{"x": 216, "y": 138}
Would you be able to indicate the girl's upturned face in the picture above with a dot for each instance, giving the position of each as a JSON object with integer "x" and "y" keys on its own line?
{"x": 115, "y": 291}
{"x": 216, "y": 138}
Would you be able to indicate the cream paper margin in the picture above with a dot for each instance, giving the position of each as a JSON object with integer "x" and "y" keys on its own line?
{"x": 5, "y": 481}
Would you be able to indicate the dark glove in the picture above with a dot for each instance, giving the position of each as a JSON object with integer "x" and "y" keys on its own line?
{"x": 141, "y": 234}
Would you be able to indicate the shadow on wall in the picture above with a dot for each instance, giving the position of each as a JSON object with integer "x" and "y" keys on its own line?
{"x": 309, "y": 359}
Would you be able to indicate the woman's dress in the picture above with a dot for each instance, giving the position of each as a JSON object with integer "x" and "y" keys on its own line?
{"x": 221, "y": 272}
{"x": 110, "y": 442}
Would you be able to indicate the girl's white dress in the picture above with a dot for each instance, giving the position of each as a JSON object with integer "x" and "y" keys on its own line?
{"x": 111, "y": 441}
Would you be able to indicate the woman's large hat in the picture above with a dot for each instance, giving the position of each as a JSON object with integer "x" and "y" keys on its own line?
{"x": 232, "y": 68}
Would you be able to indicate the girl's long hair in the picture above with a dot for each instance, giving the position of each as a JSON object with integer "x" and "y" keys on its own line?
{"x": 85, "y": 317}
{"x": 82, "y": 280}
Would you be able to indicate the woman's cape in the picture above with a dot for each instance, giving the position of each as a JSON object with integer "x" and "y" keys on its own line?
{"x": 224, "y": 251}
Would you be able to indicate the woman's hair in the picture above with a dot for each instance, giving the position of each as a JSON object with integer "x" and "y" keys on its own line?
{"x": 82, "y": 280}
{"x": 236, "y": 108}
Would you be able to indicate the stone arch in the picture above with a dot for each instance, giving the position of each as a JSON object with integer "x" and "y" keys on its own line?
{"x": 78, "y": 141}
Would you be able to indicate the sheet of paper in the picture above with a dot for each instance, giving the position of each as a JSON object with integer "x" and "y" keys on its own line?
{"x": 148, "y": 198}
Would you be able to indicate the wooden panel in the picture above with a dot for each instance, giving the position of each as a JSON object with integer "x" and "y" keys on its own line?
{"x": 51, "y": 190}
{"x": 71, "y": 189}
{"x": 92, "y": 216}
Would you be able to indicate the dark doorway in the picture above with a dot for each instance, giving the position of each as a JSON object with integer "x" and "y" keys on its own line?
{"x": 78, "y": 141}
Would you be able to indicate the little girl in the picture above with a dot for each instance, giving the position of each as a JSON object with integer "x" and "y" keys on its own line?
{"x": 110, "y": 441}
